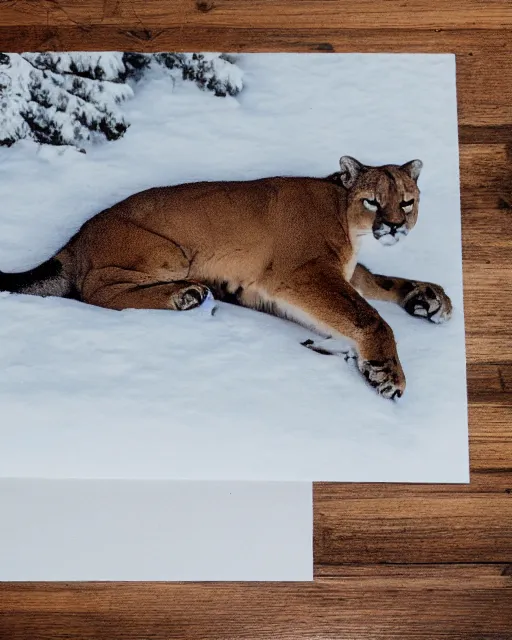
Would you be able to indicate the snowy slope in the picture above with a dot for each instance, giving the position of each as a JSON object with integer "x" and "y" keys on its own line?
{"x": 87, "y": 392}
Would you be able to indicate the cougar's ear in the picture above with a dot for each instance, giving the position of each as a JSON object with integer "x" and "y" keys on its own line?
{"x": 413, "y": 169}
{"x": 350, "y": 171}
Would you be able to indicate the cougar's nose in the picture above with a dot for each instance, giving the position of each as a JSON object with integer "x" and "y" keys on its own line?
{"x": 394, "y": 227}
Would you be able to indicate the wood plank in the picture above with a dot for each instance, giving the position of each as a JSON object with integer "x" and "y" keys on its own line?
{"x": 423, "y": 528}
{"x": 490, "y": 438}
{"x": 310, "y": 14}
{"x": 423, "y": 576}
{"x": 486, "y": 198}
{"x": 488, "y": 299}
{"x": 490, "y": 383}
{"x": 500, "y": 134}
{"x": 486, "y": 188}
{"x": 243, "y": 38}
{"x": 485, "y": 170}
{"x": 366, "y": 602}
{"x": 494, "y": 481}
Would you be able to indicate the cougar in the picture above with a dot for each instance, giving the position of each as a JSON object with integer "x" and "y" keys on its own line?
{"x": 284, "y": 245}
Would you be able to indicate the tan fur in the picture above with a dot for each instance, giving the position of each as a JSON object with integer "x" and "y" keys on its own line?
{"x": 285, "y": 245}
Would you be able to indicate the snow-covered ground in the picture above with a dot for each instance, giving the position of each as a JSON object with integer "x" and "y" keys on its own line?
{"x": 87, "y": 392}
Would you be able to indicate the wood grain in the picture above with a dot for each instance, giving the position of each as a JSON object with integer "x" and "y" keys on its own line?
{"x": 391, "y": 561}
{"x": 456, "y": 602}
{"x": 269, "y": 14}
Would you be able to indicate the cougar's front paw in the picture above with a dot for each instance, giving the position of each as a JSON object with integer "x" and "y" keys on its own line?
{"x": 386, "y": 376}
{"x": 428, "y": 301}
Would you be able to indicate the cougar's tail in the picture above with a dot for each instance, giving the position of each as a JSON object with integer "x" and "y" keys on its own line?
{"x": 48, "y": 279}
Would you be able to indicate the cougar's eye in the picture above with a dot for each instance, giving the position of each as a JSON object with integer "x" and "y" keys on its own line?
{"x": 407, "y": 206}
{"x": 371, "y": 205}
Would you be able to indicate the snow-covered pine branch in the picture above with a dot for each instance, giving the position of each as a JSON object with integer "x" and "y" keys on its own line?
{"x": 213, "y": 72}
{"x": 72, "y": 98}
{"x": 62, "y": 98}
{"x": 210, "y": 71}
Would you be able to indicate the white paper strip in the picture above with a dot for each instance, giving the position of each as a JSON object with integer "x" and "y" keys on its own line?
{"x": 154, "y": 530}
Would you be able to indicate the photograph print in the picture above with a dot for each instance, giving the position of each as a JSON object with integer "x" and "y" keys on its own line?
{"x": 231, "y": 267}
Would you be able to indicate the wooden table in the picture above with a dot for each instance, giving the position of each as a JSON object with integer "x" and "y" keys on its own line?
{"x": 391, "y": 561}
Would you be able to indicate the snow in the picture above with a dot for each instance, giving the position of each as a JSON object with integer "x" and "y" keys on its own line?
{"x": 93, "y": 393}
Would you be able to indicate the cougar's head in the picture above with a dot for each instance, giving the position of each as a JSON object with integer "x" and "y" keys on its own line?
{"x": 383, "y": 200}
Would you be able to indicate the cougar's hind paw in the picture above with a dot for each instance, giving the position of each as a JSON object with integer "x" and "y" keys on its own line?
{"x": 193, "y": 296}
